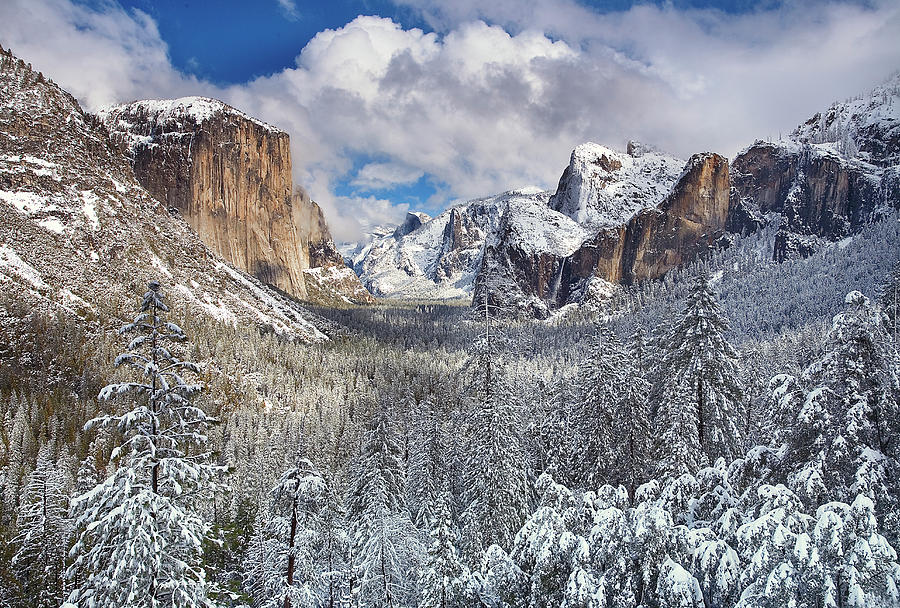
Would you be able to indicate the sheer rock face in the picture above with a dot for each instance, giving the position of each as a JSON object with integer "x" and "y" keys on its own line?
{"x": 688, "y": 221}
{"x": 819, "y": 193}
{"x": 229, "y": 175}
{"x": 79, "y": 236}
{"x": 837, "y": 172}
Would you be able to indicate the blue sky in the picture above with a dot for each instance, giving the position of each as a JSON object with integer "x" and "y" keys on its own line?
{"x": 233, "y": 41}
{"x": 411, "y": 104}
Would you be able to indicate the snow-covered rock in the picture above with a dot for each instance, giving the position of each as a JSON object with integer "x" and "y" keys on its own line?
{"x": 439, "y": 258}
{"x": 80, "y": 236}
{"x": 835, "y": 173}
{"x": 229, "y": 176}
{"x": 602, "y": 187}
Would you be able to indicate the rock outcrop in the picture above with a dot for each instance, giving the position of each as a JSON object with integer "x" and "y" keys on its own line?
{"x": 79, "y": 236}
{"x": 837, "y": 172}
{"x": 229, "y": 176}
{"x": 602, "y": 187}
{"x": 536, "y": 280}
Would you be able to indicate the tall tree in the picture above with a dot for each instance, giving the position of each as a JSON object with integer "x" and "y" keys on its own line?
{"x": 44, "y": 533}
{"x": 702, "y": 392}
{"x": 613, "y": 418}
{"x": 285, "y": 569}
{"x": 444, "y": 580}
{"x": 140, "y": 531}
{"x": 385, "y": 550}
{"x": 495, "y": 477}
{"x": 846, "y": 437}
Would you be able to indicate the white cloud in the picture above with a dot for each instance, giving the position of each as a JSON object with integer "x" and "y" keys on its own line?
{"x": 383, "y": 176}
{"x": 289, "y": 9}
{"x": 101, "y": 55}
{"x": 483, "y": 109}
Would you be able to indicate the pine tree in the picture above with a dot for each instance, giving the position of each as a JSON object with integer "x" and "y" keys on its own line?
{"x": 444, "y": 581}
{"x": 846, "y": 438}
{"x": 858, "y": 565}
{"x": 890, "y": 304}
{"x": 286, "y": 568}
{"x": 613, "y": 416}
{"x": 495, "y": 481}
{"x": 702, "y": 395}
{"x": 385, "y": 548}
{"x": 140, "y": 532}
{"x": 44, "y": 532}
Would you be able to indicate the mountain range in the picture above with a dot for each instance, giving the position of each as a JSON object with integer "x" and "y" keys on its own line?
{"x": 622, "y": 217}
{"x": 201, "y": 194}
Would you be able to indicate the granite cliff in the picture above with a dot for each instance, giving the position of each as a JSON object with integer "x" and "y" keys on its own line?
{"x": 229, "y": 176}
{"x": 537, "y": 275}
{"x": 835, "y": 173}
{"x": 80, "y": 237}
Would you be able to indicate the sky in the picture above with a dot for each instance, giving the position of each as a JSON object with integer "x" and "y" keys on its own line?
{"x": 396, "y": 105}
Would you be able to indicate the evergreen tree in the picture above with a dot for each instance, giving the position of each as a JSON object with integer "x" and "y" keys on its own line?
{"x": 890, "y": 304}
{"x": 846, "y": 438}
{"x": 613, "y": 416}
{"x": 285, "y": 563}
{"x": 140, "y": 532}
{"x": 385, "y": 548}
{"x": 702, "y": 395}
{"x": 495, "y": 481}
{"x": 44, "y": 532}
{"x": 444, "y": 581}
{"x": 859, "y": 566}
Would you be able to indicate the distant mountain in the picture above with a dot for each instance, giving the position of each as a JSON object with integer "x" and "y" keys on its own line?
{"x": 434, "y": 258}
{"x": 621, "y": 217}
{"x": 229, "y": 176}
{"x": 835, "y": 173}
{"x": 80, "y": 236}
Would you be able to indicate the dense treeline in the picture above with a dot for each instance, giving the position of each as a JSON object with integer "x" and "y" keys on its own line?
{"x": 664, "y": 450}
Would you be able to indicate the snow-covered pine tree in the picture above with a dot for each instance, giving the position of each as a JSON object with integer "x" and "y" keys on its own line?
{"x": 289, "y": 572}
{"x": 495, "y": 492}
{"x": 140, "y": 530}
{"x": 263, "y": 572}
{"x": 859, "y": 567}
{"x": 890, "y": 304}
{"x": 44, "y": 534}
{"x": 444, "y": 581}
{"x": 613, "y": 417}
{"x": 846, "y": 438}
{"x": 427, "y": 465}
{"x": 702, "y": 395}
{"x": 385, "y": 549}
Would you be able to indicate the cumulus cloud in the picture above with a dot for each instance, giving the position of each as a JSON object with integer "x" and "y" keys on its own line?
{"x": 501, "y": 92}
{"x": 102, "y": 54}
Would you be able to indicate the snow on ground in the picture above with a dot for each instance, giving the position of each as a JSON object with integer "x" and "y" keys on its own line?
{"x": 90, "y": 208}
{"x": 15, "y": 267}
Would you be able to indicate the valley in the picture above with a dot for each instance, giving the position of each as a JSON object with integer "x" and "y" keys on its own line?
{"x": 666, "y": 383}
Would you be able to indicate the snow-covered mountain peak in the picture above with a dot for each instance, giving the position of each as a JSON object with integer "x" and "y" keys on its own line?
{"x": 172, "y": 112}
{"x": 865, "y": 127}
{"x": 603, "y": 187}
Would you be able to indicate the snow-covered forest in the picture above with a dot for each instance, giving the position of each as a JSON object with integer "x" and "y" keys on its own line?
{"x": 728, "y": 436}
